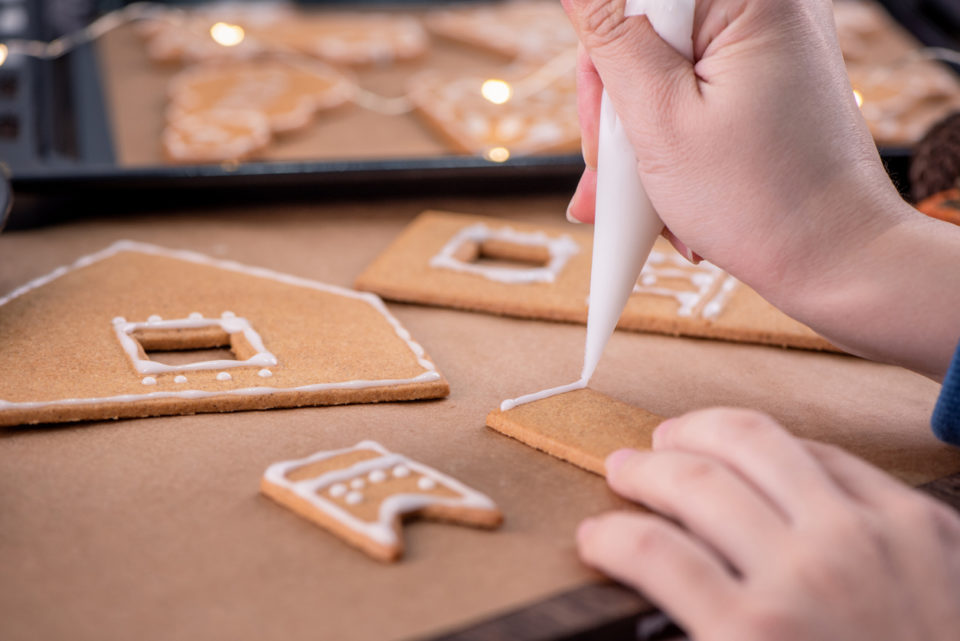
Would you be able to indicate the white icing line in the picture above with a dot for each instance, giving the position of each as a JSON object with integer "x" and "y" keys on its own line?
{"x": 430, "y": 373}
{"x": 561, "y": 249}
{"x": 511, "y": 403}
{"x": 704, "y": 277}
{"x": 200, "y": 394}
{"x": 380, "y": 530}
{"x": 230, "y": 325}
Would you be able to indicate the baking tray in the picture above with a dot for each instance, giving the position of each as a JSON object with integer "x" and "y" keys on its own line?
{"x": 56, "y": 137}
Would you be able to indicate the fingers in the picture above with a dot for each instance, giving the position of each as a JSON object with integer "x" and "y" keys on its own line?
{"x": 761, "y": 451}
{"x": 860, "y": 480}
{"x": 710, "y": 500}
{"x": 636, "y": 66}
{"x": 660, "y": 561}
{"x": 681, "y": 247}
{"x": 589, "y": 90}
{"x": 582, "y": 206}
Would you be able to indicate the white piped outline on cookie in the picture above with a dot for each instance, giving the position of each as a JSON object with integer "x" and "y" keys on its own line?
{"x": 560, "y": 249}
{"x": 229, "y": 324}
{"x": 429, "y": 374}
{"x": 707, "y": 302}
{"x": 381, "y": 530}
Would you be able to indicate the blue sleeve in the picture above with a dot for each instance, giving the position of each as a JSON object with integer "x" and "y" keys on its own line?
{"x": 946, "y": 415}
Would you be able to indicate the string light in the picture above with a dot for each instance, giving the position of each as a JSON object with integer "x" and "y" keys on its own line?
{"x": 858, "y": 97}
{"x": 498, "y": 154}
{"x": 4, "y": 52}
{"x": 227, "y": 35}
{"x": 496, "y": 91}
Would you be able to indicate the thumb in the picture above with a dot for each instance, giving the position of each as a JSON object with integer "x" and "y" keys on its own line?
{"x": 646, "y": 78}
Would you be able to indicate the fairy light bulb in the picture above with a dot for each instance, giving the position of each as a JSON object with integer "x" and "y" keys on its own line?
{"x": 227, "y": 35}
{"x": 496, "y": 91}
{"x": 4, "y": 52}
{"x": 858, "y": 97}
{"x": 498, "y": 154}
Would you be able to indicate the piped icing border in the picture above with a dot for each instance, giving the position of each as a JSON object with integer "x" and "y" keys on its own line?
{"x": 229, "y": 323}
{"x": 381, "y": 530}
{"x": 429, "y": 374}
{"x": 561, "y": 249}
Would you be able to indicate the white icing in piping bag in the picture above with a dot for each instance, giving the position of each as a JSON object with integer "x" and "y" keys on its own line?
{"x": 626, "y": 223}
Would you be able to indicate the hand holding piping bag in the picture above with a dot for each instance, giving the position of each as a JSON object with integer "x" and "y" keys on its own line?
{"x": 756, "y": 158}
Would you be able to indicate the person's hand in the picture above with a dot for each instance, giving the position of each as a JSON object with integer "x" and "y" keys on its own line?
{"x": 757, "y": 159}
{"x": 762, "y": 536}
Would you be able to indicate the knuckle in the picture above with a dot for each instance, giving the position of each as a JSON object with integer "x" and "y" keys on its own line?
{"x": 769, "y": 621}
{"x": 601, "y": 23}
{"x": 651, "y": 538}
{"x": 691, "y": 473}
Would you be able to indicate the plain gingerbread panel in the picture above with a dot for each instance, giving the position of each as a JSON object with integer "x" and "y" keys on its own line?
{"x": 582, "y": 427}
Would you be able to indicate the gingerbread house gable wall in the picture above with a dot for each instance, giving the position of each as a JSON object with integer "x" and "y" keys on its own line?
{"x": 74, "y": 340}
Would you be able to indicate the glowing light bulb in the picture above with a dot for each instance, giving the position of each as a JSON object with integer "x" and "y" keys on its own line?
{"x": 4, "y": 52}
{"x": 496, "y": 91}
{"x": 498, "y": 154}
{"x": 228, "y": 35}
{"x": 858, "y": 97}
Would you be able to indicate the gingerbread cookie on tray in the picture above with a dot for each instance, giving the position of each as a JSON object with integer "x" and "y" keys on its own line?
{"x": 229, "y": 110}
{"x": 121, "y": 333}
{"x": 543, "y": 272}
{"x": 237, "y": 32}
{"x": 534, "y": 30}
{"x": 362, "y": 494}
{"x": 528, "y": 111}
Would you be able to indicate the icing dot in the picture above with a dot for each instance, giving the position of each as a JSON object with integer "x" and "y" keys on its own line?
{"x": 401, "y": 471}
{"x": 180, "y": 379}
{"x": 223, "y": 376}
{"x": 337, "y": 490}
{"x": 357, "y": 484}
{"x": 265, "y": 373}
{"x": 154, "y": 319}
{"x": 119, "y": 320}
{"x": 377, "y": 476}
{"x": 353, "y": 498}
{"x": 426, "y": 483}
{"x": 195, "y": 315}
{"x": 228, "y": 315}
{"x": 149, "y": 380}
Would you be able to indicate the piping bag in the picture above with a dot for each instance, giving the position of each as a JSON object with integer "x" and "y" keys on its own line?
{"x": 626, "y": 224}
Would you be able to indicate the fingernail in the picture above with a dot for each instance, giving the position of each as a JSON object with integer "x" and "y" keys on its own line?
{"x": 570, "y": 216}
{"x": 584, "y": 529}
{"x": 617, "y": 459}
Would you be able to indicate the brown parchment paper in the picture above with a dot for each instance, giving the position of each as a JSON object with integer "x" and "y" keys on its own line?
{"x": 154, "y": 528}
{"x": 136, "y": 96}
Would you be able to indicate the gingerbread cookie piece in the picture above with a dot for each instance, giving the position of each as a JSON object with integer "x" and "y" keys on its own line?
{"x": 582, "y": 427}
{"x": 215, "y": 135}
{"x": 533, "y": 30}
{"x": 491, "y": 265}
{"x": 223, "y": 31}
{"x": 537, "y": 113}
{"x": 362, "y": 493}
{"x": 237, "y": 32}
{"x": 902, "y": 101}
{"x": 225, "y": 111}
{"x": 350, "y": 38}
{"x": 117, "y": 335}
